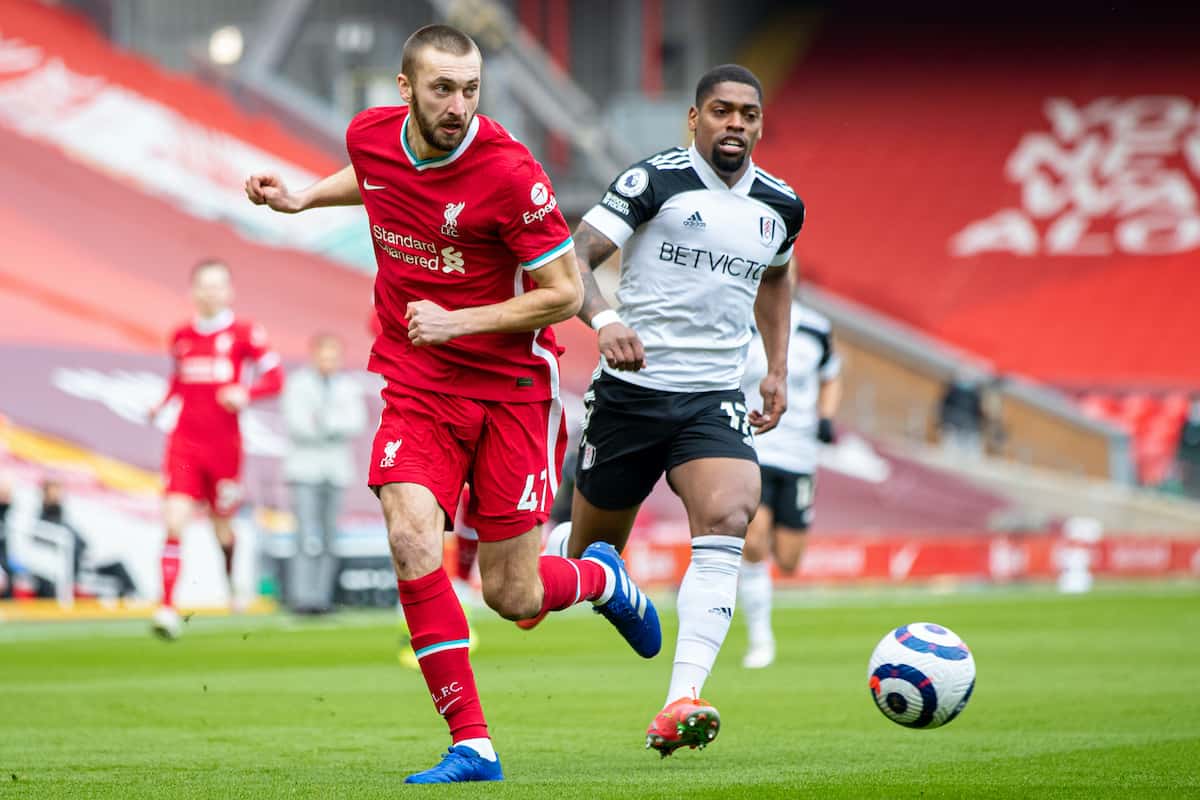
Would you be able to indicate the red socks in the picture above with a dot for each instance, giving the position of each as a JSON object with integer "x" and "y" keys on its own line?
{"x": 170, "y": 571}
{"x": 439, "y": 639}
{"x": 439, "y": 633}
{"x": 567, "y": 581}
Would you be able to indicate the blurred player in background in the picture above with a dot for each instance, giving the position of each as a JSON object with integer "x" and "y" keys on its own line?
{"x": 5, "y": 567}
{"x": 323, "y": 409}
{"x": 475, "y": 263}
{"x": 560, "y": 512}
{"x": 787, "y": 457}
{"x": 705, "y": 239}
{"x": 466, "y": 554}
{"x": 203, "y": 460}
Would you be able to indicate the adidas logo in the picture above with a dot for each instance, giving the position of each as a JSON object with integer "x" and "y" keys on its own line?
{"x": 694, "y": 221}
{"x": 722, "y": 611}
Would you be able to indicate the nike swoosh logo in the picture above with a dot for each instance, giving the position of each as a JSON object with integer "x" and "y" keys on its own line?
{"x": 442, "y": 710}
{"x": 371, "y": 187}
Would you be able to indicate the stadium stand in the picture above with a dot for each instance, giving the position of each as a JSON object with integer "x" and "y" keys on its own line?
{"x": 100, "y": 232}
{"x": 1034, "y": 205}
{"x": 169, "y": 135}
{"x": 105, "y": 265}
{"x": 1154, "y": 421}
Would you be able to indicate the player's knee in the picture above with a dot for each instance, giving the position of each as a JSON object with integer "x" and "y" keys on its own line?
{"x": 175, "y": 523}
{"x": 177, "y": 512}
{"x": 787, "y": 565}
{"x": 415, "y": 552}
{"x": 733, "y": 520}
{"x": 510, "y": 601}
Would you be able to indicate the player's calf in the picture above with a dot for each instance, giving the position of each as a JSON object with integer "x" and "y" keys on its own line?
{"x": 512, "y": 601}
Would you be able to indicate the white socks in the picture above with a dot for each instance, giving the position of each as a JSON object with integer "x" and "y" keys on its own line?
{"x": 705, "y": 606}
{"x": 754, "y": 592}
{"x": 556, "y": 542}
{"x": 482, "y": 746}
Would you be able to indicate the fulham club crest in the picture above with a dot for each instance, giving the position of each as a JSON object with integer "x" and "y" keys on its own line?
{"x": 766, "y": 229}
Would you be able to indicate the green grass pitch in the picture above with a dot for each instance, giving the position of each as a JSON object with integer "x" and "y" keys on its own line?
{"x": 1086, "y": 697}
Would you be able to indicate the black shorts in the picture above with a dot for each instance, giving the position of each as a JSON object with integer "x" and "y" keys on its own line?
{"x": 632, "y": 435}
{"x": 789, "y": 495}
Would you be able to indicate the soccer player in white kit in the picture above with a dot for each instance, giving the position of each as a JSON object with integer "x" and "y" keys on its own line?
{"x": 706, "y": 237}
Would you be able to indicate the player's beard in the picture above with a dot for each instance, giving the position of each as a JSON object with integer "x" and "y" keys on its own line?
{"x": 726, "y": 165}
{"x": 430, "y": 133}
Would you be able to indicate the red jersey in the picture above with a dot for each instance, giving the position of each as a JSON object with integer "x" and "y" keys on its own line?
{"x": 462, "y": 230}
{"x": 208, "y": 355}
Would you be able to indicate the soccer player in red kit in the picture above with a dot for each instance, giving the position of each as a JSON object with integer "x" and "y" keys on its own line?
{"x": 203, "y": 458}
{"x": 475, "y": 263}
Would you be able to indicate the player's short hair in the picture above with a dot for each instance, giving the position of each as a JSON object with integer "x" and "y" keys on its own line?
{"x": 208, "y": 263}
{"x": 440, "y": 37}
{"x": 322, "y": 338}
{"x": 726, "y": 73}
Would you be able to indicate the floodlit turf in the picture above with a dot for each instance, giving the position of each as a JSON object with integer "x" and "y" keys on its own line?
{"x": 1076, "y": 697}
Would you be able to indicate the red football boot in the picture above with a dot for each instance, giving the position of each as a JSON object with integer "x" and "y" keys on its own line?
{"x": 687, "y": 722}
{"x": 532, "y": 622}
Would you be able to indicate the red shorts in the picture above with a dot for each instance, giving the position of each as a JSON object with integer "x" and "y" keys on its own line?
{"x": 510, "y": 454}
{"x": 208, "y": 472}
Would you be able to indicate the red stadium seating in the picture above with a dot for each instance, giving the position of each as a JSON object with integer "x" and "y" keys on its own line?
{"x": 906, "y": 142}
{"x": 94, "y": 268}
{"x": 69, "y": 38}
{"x": 1154, "y": 421}
{"x": 105, "y": 266}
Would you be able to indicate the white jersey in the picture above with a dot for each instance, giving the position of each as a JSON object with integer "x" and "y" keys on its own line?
{"x": 792, "y": 445}
{"x": 693, "y": 252}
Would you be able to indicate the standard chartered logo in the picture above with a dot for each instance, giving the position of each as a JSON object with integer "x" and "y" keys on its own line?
{"x": 401, "y": 246}
{"x": 452, "y": 260}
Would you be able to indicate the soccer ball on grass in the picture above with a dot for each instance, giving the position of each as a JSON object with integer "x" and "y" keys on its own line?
{"x": 921, "y": 675}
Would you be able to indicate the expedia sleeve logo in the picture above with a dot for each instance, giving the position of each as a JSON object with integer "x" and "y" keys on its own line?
{"x": 540, "y": 195}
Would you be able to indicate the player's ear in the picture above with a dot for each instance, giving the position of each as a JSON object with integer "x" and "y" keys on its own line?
{"x": 405, "y": 87}
{"x": 693, "y": 116}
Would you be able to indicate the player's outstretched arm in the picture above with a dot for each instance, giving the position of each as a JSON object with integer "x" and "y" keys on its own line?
{"x": 618, "y": 343}
{"x": 557, "y": 296}
{"x": 773, "y": 314}
{"x": 338, "y": 189}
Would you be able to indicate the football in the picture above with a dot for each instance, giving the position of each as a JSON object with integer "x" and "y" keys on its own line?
{"x": 921, "y": 675}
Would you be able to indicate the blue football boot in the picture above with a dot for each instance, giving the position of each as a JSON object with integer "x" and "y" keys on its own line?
{"x": 459, "y": 764}
{"x": 628, "y": 609}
